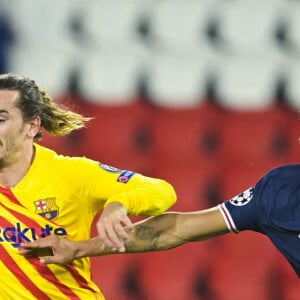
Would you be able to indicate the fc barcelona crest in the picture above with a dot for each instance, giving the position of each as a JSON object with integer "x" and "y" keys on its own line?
{"x": 46, "y": 208}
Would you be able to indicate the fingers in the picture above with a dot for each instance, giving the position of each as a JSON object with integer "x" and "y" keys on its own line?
{"x": 109, "y": 234}
{"x": 38, "y": 248}
{"x": 48, "y": 260}
{"x": 113, "y": 234}
{"x": 102, "y": 232}
{"x": 52, "y": 249}
{"x": 128, "y": 224}
{"x": 46, "y": 242}
{"x": 35, "y": 252}
{"x": 35, "y": 245}
{"x": 113, "y": 226}
{"x": 113, "y": 239}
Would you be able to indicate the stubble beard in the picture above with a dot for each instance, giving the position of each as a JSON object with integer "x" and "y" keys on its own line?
{"x": 2, "y": 158}
{"x": 6, "y": 158}
{"x": 3, "y": 163}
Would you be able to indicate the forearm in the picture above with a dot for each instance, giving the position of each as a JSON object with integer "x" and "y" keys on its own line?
{"x": 152, "y": 234}
{"x": 157, "y": 233}
{"x": 173, "y": 229}
{"x": 90, "y": 248}
{"x": 163, "y": 232}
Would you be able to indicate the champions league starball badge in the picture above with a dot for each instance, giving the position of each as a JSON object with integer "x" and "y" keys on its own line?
{"x": 109, "y": 168}
{"x": 243, "y": 198}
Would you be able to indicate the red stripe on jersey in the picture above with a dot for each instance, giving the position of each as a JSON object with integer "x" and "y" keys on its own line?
{"x": 228, "y": 218}
{"x": 46, "y": 272}
{"x": 21, "y": 276}
{"x": 81, "y": 281}
{"x": 9, "y": 194}
{"x": 49, "y": 275}
{"x": 23, "y": 218}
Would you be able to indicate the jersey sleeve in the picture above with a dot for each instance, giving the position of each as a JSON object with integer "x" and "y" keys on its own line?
{"x": 247, "y": 210}
{"x": 240, "y": 212}
{"x": 272, "y": 202}
{"x": 141, "y": 195}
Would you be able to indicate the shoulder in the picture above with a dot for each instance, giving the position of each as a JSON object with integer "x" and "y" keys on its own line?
{"x": 286, "y": 171}
{"x": 57, "y": 161}
{"x": 283, "y": 176}
{"x": 279, "y": 182}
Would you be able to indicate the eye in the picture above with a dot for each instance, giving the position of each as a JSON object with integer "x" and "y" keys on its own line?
{"x": 2, "y": 120}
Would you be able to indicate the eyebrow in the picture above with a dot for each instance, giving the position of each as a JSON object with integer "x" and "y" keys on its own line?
{"x": 4, "y": 111}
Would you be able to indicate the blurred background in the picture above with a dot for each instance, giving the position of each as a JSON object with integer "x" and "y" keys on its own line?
{"x": 204, "y": 94}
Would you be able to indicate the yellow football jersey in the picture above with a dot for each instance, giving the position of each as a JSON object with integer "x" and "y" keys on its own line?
{"x": 61, "y": 195}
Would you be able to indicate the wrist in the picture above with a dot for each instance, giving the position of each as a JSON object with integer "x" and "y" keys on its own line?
{"x": 120, "y": 199}
{"x": 89, "y": 248}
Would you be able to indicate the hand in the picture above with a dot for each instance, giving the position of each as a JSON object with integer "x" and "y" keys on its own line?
{"x": 52, "y": 249}
{"x": 111, "y": 227}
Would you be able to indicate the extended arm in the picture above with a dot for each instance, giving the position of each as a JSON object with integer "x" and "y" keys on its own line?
{"x": 173, "y": 229}
{"x": 157, "y": 233}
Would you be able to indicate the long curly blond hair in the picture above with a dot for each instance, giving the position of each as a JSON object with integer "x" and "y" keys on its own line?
{"x": 34, "y": 101}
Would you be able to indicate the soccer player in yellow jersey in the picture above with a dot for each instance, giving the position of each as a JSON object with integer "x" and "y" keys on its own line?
{"x": 43, "y": 193}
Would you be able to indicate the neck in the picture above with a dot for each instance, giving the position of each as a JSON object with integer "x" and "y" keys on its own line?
{"x": 12, "y": 174}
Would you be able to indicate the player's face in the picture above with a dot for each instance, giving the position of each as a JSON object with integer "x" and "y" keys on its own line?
{"x": 14, "y": 132}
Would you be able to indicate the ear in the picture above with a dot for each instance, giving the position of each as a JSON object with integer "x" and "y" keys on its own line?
{"x": 34, "y": 127}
